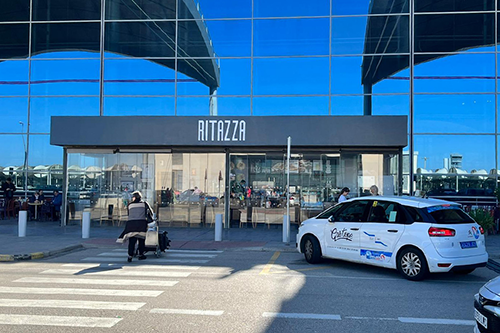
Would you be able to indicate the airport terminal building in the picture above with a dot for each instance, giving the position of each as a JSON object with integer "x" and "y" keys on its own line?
{"x": 192, "y": 101}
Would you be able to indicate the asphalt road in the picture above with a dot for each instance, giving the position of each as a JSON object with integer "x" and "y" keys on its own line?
{"x": 203, "y": 291}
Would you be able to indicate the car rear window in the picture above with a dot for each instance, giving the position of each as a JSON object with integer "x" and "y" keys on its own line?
{"x": 448, "y": 214}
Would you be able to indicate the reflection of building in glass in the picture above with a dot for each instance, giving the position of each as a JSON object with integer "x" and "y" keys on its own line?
{"x": 456, "y": 161}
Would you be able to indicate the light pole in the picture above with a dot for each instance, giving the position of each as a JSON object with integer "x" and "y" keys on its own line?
{"x": 25, "y": 166}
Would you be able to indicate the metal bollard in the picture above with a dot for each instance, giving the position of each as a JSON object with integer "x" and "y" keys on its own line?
{"x": 286, "y": 234}
{"x": 23, "y": 222}
{"x": 86, "y": 225}
{"x": 218, "y": 227}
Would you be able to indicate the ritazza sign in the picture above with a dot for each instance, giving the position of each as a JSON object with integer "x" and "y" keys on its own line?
{"x": 221, "y": 132}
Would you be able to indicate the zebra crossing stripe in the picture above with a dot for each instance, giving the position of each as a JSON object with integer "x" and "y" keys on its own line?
{"x": 128, "y": 266}
{"x": 70, "y": 304}
{"x": 73, "y": 291}
{"x": 156, "y": 261}
{"x": 188, "y": 312}
{"x": 119, "y": 272}
{"x": 88, "y": 281}
{"x": 168, "y": 255}
{"x": 179, "y": 251}
{"x": 15, "y": 319}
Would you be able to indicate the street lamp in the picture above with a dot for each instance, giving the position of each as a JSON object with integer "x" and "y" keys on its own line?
{"x": 25, "y": 166}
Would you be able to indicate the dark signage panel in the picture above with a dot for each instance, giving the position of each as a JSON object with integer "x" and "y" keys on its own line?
{"x": 169, "y": 131}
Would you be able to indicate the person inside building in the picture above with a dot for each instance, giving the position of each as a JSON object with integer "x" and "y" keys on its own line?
{"x": 374, "y": 190}
{"x": 139, "y": 212}
{"x": 343, "y": 194}
{"x": 56, "y": 203}
{"x": 8, "y": 189}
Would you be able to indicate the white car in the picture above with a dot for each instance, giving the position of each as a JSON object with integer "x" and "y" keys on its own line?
{"x": 413, "y": 235}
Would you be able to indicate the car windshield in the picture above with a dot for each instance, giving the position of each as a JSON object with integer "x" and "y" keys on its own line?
{"x": 447, "y": 214}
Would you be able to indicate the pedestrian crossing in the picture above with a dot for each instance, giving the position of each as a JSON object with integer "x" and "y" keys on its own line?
{"x": 105, "y": 275}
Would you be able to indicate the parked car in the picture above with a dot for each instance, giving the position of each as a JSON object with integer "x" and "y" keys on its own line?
{"x": 487, "y": 307}
{"x": 413, "y": 235}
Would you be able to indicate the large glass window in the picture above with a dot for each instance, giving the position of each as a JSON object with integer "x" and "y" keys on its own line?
{"x": 286, "y": 76}
{"x": 291, "y": 8}
{"x": 58, "y": 10}
{"x": 233, "y": 106}
{"x": 42, "y": 108}
{"x": 14, "y": 78}
{"x": 381, "y": 105}
{"x": 454, "y": 113}
{"x": 14, "y": 114}
{"x": 453, "y": 32}
{"x": 370, "y": 35}
{"x": 290, "y": 106}
{"x": 12, "y": 159}
{"x": 234, "y": 77}
{"x": 453, "y": 6}
{"x": 139, "y": 106}
{"x": 14, "y": 41}
{"x": 193, "y": 106}
{"x": 139, "y": 77}
{"x": 225, "y": 9}
{"x": 196, "y": 76}
{"x": 66, "y": 36}
{"x": 12, "y": 11}
{"x": 229, "y": 38}
{"x": 65, "y": 77}
{"x": 139, "y": 9}
{"x": 291, "y": 37}
{"x": 455, "y": 73}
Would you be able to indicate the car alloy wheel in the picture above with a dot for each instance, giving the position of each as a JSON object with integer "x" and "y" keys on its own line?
{"x": 312, "y": 249}
{"x": 411, "y": 264}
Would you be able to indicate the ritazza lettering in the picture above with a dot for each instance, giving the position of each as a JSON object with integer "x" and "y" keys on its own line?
{"x": 221, "y": 130}
{"x": 341, "y": 234}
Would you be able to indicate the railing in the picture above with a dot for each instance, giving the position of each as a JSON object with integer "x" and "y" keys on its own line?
{"x": 480, "y": 201}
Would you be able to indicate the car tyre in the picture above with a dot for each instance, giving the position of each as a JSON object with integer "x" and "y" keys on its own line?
{"x": 411, "y": 263}
{"x": 312, "y": 250}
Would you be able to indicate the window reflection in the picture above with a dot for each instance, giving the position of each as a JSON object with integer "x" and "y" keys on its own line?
{"x": 291, "y": 76}
{"x": 290, "y": 106}
{"x": 139, "y": 106}
{"x": 13, "y": 11}
{"x": 42, "y": 108}
{"x": 284, "y": 8}
{"x": 12, "y": 159}
{"x": 65, "y": 77}
{"x": 455, "y": 113}
{"x": 14, "y": 111}
{"x": 58, "y": 10}
{"x": 234, "y": 77}
{"x": 194, "y": 106}
{"x": 14, "y": 41}
{"x": 230, "y": 38}
{"x": 233, "y": 106}
{"x": 225, "y": 9}
{"x": 382, "y": 105}
{"x": 291, "y": 37}
{"x": 452, "y": 6}
{"x": 139, "y": 9}
{"x": 14, "y": 78}
{"x": 455, "y": 73}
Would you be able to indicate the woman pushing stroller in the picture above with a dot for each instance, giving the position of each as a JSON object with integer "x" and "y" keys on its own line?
{"x": 139, "y": 212}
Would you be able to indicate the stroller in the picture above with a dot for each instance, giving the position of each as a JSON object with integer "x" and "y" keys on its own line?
{"x": 155, "y": 241}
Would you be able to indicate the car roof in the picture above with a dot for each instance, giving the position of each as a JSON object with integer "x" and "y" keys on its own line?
{"x": 416, "y": 202}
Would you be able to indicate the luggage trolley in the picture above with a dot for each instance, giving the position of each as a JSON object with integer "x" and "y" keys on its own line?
{"x": 155, "y": 241}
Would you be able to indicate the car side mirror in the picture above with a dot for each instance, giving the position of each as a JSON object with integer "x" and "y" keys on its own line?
{"x": 331, "y": 219}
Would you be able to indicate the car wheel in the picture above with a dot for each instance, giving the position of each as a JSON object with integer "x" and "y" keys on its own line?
{"x": 464, "y": 271}
{"x": 312, "y": 250}
{"x": 412, "y": 264}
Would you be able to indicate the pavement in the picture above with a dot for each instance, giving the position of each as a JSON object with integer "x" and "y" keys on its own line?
{"x": 45, "y": 239}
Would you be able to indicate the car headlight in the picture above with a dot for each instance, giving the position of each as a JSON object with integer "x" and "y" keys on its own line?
{"x": 301, "y": 224}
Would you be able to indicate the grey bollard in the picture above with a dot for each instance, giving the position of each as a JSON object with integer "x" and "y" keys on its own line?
{"x": 218, "y": 227}
{"x": 286, "y": 234}
{"x": 86, "y": 225}
{"x": 23, "y": 221}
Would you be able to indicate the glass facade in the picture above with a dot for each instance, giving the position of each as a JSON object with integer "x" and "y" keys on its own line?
{"x": 433, "y": 61}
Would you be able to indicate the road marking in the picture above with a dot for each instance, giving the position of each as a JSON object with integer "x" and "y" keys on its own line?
{"x": 159, "y": 261}
{"x": 152, "y": 283}
{"x": 168, "y": 255}
{"x": 270, "y": 264}
{"x": 301, "y": 270}
{"x": 120, "y": 272}
{"x": 70, "y": 304}
{"x": 178, "y": 251}
{"x": 13, "y": 319}
{"x": 73, "y": 291}
{"x": 128, "y": 266}
{"x": 301, "y": 316}
{"x": 369, "y": 318}
{"x": 188, "y": 312}
{"x": 436, "y": 321}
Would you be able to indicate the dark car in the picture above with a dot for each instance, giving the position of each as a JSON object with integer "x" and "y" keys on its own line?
{"x": 192, "y": 197}
{"x": 487, "y": 307}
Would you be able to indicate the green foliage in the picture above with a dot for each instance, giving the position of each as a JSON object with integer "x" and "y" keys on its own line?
{"x": 497, "y": 193}
{"x": 483, "y": 218}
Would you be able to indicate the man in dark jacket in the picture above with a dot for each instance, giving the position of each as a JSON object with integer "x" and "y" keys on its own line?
{"x": 8, "y": 189}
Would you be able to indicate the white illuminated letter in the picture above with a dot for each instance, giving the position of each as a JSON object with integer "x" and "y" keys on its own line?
{"x": 228, "y": 126}
{"x": 213, "y": 122}
{"x": 220, "y": 130}
{"x": 201, "y": 126}
{"x": 235, "y": 123}
{"x": 243, "y": 129}
{"x": 206, "y": 132}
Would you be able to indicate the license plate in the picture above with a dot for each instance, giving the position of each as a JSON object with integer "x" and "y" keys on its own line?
{"x": 481, "y": 319}
{"x": 468, "y": 245}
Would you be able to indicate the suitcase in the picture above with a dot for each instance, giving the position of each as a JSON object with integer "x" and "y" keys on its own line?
{"x": 163, "y": 241}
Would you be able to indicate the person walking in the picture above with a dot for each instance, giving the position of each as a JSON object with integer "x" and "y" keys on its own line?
{"x": 136, "y": 227}
{"x": 343, "y": 194}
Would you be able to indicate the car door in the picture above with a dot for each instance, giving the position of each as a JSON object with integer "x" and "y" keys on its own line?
{"x": 342, "y": 231}
{"x": 381, "y": 232}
